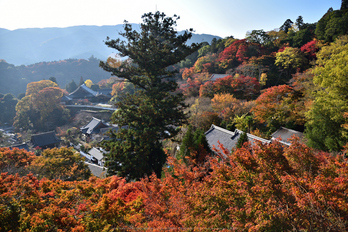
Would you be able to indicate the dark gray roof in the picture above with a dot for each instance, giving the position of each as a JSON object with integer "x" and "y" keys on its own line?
{"x": 284, "y": 134}
{"x": 106, "y": 92}
{"x": 20, "y": 146}
{"x": 96, "y": 153}
{"x": 214, "y": 77}
{"x": 217, "y": 134}
{"x": 228, "y": 138}
{"x": 44, "y": 139}
{"x": 93, "y": 126}
{"x": 82, "y": 91}
{"x": 66, "y": 98}
{"x": 97, "y": 170}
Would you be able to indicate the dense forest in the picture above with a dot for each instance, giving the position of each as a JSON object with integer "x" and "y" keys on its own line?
{"x": 162, "y": 175}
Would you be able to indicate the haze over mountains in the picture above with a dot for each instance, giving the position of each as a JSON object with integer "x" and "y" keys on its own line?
{"x": 33, "y": 45}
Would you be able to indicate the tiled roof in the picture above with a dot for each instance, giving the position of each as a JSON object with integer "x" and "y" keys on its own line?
{"x": 93, "y": 126}
{"x": 228, "y": 138}
{"x": 20, "y": 146}
{"x": 82, "y": 91}
{"x": 284, "y": 134}
{"x": 214, "y": 77}
{"x": 97, "y": 170}
{"x": 96, "y": 153}
{"x": 217, "y": 134}
{"x": 44, "y": 139}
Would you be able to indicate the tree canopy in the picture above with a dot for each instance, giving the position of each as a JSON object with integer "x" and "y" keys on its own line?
{"x": 154, "y": 112}
{"x": 326, "y": 116}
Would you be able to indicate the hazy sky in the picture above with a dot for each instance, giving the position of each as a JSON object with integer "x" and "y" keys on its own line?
{"x": 216, "y": 17}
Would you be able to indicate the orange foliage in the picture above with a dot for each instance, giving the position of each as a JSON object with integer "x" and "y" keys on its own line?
{"x": 255, "y": 188}
{"x": 15, "y": 160}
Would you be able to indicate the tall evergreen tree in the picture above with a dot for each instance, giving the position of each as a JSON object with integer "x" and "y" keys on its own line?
{"x": 286, "y": 26}
{"x": 155, "y": 111}
{"x": 344, "y": 5}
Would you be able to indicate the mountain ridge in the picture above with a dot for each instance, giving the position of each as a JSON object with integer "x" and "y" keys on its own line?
{"x": 33, "y": 45}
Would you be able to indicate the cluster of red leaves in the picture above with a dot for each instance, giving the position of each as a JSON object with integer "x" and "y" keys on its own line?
{"x": 310, "y": 48}
{"x": 191, "y": 87}
{"x": 242, "y": 87}
{"x": 261, "y": 188}
{"x": 238, "y": 52}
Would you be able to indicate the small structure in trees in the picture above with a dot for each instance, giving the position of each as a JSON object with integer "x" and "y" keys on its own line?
{"x": 93, "y": 127}
{"x": 45, "y": 140}
{"x": 97, "y": 156}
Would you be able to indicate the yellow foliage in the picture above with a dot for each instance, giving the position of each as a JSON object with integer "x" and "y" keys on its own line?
{"x": 263, "y": 79}
{"x": 88, "y": 83}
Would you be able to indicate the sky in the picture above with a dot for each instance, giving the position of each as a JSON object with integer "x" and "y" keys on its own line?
{"x": 216, "y": 17}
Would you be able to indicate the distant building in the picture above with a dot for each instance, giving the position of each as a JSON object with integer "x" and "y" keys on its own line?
{"x": 97, "y": 170}
{"x": 20, "y": 146}
{"x": 45, "y": 140}
{"x": 93, "y": 127}
{"x": 83, "y": 92}
{"x": 284, "y": 134}
{"x": 97, "y": 156}
{"x": 228, "y": 139}
{"x": 214, "y": 77}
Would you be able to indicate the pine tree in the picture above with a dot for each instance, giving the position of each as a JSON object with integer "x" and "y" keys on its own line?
{"x": 154, "y": 112}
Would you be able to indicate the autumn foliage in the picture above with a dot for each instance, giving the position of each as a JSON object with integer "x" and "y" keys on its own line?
{"x": 259, "y": 188}
{"x": 242, "y": 87}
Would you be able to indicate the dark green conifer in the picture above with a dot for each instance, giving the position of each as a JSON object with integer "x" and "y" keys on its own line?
{"x": 154, "y": 112}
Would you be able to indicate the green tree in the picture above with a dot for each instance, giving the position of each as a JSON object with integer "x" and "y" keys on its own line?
{"x": 53, "y": 79}
{"x": 286, "y": 26}
{"x": 324, "y": 128}
{"x": 7, "y": 108}
{"x": 344, "y": 5}
{"x": 258, "y": 36}
{"x": 242, "y": 139}
{"x": 154, "y": 112}
{"x": 299, "y": 22}
{"x": 194, "y": 145}
{"x": 290, "y": 59}
{"x": 71, "y": 86}
{"x": 332, "y": 25}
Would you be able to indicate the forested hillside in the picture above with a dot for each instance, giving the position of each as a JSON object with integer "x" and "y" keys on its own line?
{"x": 294, "y": 76}
{"x": 14, "y": 79}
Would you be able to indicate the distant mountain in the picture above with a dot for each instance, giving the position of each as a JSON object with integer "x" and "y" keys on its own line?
{"x": 34, "y": 45}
